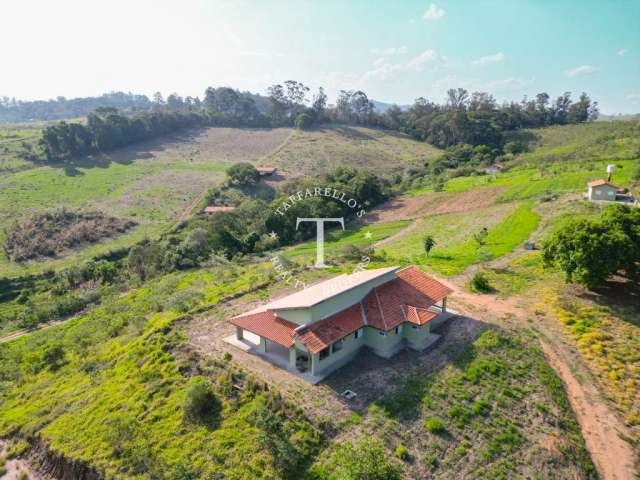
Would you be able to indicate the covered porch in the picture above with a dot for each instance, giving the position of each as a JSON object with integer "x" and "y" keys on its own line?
{"x": 283, "y": 354}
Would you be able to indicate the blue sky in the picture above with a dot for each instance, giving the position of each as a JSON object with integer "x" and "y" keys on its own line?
{"x": 394, "y": 51}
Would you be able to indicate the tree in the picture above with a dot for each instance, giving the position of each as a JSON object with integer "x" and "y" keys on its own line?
{"x": 319, "y": 104}
{"x": 277, "y": 110}
{"x": 429, "y": 243}
{"x": 590, "y": 251}
{"x": 457, "y": 98}
{"x": 243, "y": 174}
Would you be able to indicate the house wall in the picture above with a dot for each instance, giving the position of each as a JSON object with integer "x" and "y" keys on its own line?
{"x": 350, "y": 347}
{"x": 602, "y": 192}
{"x": 385, "y": 346}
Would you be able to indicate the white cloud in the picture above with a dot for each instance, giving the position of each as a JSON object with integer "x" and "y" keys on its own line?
{"x": 488, "y": 59}
{"x": 417, "y": 63}
{"x": 633, "y": 97}
{"x": 580, "y": 70}
{"x": 434, "y": 12}
{"x": 383, "y": 68}
{"x": 385, "y": 52}
{"x": 622, "y": 52}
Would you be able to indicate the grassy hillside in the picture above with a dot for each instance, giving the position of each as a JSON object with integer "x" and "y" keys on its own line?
{"x": 108, "y": 390}
{"x": 326, "y": 148}
{"x": 154, "y": 182}
{"x": 151, "y": 183}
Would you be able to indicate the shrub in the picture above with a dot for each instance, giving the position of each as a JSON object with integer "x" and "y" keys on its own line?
{"x": 200, "y": 403}
{"x": 480, "y": 283}
{"x": 401, "y": 452}
{"x": 47, "y": 234}
{"x": 365, "y": 461}
{"x": 434, "y": 425}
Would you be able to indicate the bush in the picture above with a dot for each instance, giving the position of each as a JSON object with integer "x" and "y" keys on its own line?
{"x": 200, "y": 403}
{"x": 401, "y": 452}
{"x": 434, "y": 425}
{"x": 47, "y": 234}
{"x": 480, "y": 283}
{"x": 365, "y": 461}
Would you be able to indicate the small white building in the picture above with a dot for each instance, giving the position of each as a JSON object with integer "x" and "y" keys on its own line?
{"x": 602, "y": 190}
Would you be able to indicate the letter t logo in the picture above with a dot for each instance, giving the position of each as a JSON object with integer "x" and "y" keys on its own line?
{"x": 320, "y": 235}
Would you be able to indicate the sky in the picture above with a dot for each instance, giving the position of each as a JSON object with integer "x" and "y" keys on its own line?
{"x": 393, "y": 51}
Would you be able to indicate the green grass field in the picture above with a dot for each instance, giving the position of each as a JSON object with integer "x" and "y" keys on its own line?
{"x": 455, "y": 248}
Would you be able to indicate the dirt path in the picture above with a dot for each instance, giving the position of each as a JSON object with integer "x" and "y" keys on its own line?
{"x": 16, "y": 468}
{"x": 23, "y": 332}
{"x": 601, "y": 427}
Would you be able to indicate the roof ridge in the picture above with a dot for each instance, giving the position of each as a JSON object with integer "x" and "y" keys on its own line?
{"x": 363, "y": 313}
{"x": 384, "y": 322}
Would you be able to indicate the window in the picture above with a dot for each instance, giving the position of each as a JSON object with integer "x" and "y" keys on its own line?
{"x": 598, "y": 193}
{"x": 382, "y": 334}
{"x": 399, "y": 329}
{"x": 415, "y": 327}
{"x": 358, "y": 333}
{"x": 336, "y": 347}
{"x": 610, "y": 193}
{"x": 324, "y": 353}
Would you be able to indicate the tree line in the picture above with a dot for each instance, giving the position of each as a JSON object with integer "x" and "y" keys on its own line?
{"x": 473, "y": 119}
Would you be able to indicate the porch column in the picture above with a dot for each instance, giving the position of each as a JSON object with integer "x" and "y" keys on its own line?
{"x": 292, "y": 357}
{"x": 444, "y": 304}
{"x": 239, "y": 333}
{"x": 263, "y": 345}
{"x": 314, "y": 363}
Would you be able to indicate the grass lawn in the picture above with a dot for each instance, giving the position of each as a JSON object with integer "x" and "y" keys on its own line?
{"x": 455, "y": 249}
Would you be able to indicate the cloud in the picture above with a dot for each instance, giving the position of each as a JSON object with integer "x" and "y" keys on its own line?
{"x": 417, "y": 63}
{"x": 385, "y": 52}
{"x": 622, "y": 52}
{"x": 633, "y": 97}
{"x": 383, "y": 68}
{"x": 489, "y": 59}
{"x": 434, "y": 12}
{"x": 580, "y": 70}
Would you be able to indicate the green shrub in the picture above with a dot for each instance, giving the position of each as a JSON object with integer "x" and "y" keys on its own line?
{"x": 200, "y": 404}
{"x": 434, "y": 425}
{"x": 401, "y": 452}
{"x": 366, "y": 460}
{"x": 480, "y": 283}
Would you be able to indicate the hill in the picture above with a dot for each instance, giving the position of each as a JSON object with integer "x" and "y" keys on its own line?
{"x": 154, "y": 182}
{"x": 106, "y": 393}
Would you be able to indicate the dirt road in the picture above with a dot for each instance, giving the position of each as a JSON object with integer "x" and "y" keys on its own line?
{"x": 601, "y": 427}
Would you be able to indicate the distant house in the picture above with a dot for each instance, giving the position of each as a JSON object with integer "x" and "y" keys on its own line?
{"x": 266, "y": 171}
{"x": 321, "y": 328}
{"x": 218, "y": 209}
{"x": 603, "y": 190}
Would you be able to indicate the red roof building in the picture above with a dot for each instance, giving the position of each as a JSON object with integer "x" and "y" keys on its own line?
{"x": 323, "y": 326}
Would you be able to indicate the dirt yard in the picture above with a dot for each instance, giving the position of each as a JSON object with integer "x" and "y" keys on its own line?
{"x": 368, "y": 375}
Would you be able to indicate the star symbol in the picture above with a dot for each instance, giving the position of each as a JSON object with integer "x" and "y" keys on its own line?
{"x": 273, "y": 235}
{"x": 368, "y": 235}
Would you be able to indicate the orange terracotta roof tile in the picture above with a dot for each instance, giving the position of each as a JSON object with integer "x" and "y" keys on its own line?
{"x": 268, "y": 325}
{"x": 384, "y": 305}
{"x": 321, "y": 334}
{"x": 419, "y": 316}
{"x": 599, "y": 182}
